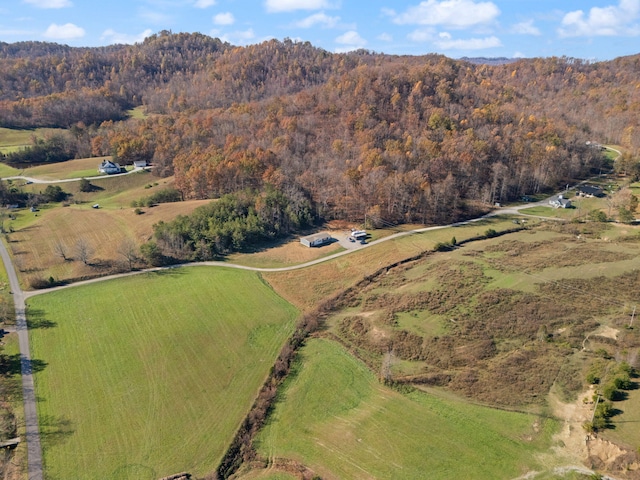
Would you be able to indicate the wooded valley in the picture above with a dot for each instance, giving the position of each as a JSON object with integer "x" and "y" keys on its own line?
{"x": 396, "y": 139}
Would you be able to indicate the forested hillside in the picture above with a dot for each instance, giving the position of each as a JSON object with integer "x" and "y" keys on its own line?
{"x": 400, "y": 139}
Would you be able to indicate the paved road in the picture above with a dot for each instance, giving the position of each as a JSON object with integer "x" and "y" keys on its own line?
{"x": 34, "y": 450}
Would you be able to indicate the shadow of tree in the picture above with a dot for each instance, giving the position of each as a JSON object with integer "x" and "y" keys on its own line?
{"x": 55, "y": 429}
{"x": 169, "y": 271}
{"x": 36, "y": 319}
{"x": 12, "y": 365}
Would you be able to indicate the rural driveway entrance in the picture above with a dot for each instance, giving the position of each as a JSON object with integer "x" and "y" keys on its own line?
{"x": 34, "y": 450}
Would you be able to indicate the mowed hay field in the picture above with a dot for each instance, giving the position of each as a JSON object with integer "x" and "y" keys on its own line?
{"x": 83, "y": 167}
{"x": 337, "y": 419}
{"x": 33, "y": 243}
{"x": 14, "y": 139}
{"x": 151, "y": 375}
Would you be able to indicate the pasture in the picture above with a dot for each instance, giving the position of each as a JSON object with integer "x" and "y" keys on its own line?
{"x": 83, "y": 167}
{"x": 12, "y": 139}
{"x": 331, "y": 277}
{"x": 151, "y": 374}
{"x": 37, "y": 238}
{"x": 337, "y": 419}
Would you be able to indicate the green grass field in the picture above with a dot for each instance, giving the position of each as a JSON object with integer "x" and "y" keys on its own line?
{"x": 337, "y": 419}
{"x": 151, "y": 375}
{"x": 12, "y": 139}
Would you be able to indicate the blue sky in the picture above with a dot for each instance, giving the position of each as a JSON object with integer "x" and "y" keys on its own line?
{"x": 588, "y": 29}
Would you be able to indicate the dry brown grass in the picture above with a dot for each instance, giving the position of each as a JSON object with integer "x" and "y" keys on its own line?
{"x": 289, "y": 252}
{"x": 536, "y": 256}
{"x": 307, "y": 287}
{"x": 34, "y": 247}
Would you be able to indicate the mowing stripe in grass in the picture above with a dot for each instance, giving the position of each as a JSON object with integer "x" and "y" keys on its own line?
{"x": 150, "y": 375}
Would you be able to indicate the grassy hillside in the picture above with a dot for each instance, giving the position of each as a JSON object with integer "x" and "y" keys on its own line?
{"x": 332, "y": 277}
{"x": 13, "y": 139}
{"x": 151, "y": 375}
{"x": 84, "y": 167}
{"x": 336, "y": 418}
{"x": 36, "y": 236}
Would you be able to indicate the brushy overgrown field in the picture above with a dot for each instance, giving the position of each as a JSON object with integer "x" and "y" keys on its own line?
{"x": 500, "y": 321}
{"x": 338, "y": 420}
{"x": 151, "y": 375}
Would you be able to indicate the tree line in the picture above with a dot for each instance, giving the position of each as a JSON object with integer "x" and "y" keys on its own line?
{"x": 233, "y": 223}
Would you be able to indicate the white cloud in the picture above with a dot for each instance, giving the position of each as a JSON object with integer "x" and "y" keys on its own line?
{"x": 68, "y": 31}
{"x": 204, "y": 3}
{"x": 620, "y": 20}
{"x": 525, "y": 28}
{"x": 421, "y": 35}
{"x": 385, "y": 37}
{"x": 49, "y": 3}
{"x": 447, "y": 42}
{"x": 112, "y": 37}
{"x": 291, "y": 5}
{"x": 519, "y": 55}
{"x": 350, "y": 40}
{"x": 321, "y": 19}
{"x": 238, "y": 37}
{"x": 226, "y": 18}
{"x": 450, "y": 13}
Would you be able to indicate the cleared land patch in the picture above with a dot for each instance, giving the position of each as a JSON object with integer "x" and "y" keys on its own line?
{"x": 83, "y": 167}
{"x": 337, "y": 419}
{"x": 36, "y": 241}
{"x": 14, "y": 139}
{"x": 151, "y": 375}
{"x": 305, "y": 288}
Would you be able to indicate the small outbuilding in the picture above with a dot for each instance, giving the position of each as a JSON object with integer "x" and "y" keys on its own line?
{"x": 316, "y": 240}
{"x": 589, "y": 191}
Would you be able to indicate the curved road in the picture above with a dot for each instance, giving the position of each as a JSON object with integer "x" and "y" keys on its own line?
{"x": 34, "y": 449}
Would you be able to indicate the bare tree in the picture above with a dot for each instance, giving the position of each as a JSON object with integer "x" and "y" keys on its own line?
{"x": 60, "y": 249}
{"x": 129, "y": 250}
{"x": 83, "y": 250}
